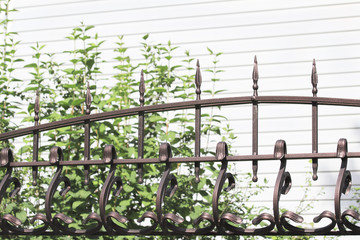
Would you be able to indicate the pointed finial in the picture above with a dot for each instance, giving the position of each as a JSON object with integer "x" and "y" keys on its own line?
{"x": 198, "y": 80}
{"x": 88, "y": 99}
{"x": 314, "y": 79}
{"x": 142, "y": 88}
{"x": 255, "y": 77}
{"x": 37, "y": 106}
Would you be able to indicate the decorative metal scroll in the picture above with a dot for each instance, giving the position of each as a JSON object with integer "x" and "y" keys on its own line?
{"x": 213, "y": 222}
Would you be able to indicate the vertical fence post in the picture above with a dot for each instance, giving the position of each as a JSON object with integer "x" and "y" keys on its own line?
{"x": 314, "y": 81}
{"x": 255, "y": 120}
{"x": 36, "y": 138}
{"x": 87, "y": 136}
{"x": 140, "y": 167}
{"x": 198, "y": 81}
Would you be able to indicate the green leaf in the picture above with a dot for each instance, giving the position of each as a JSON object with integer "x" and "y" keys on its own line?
{"x": 10, "y": 207}
{"x": 68, "y": 70}
{"x": 83, "y": 194}
{"x": 89, "y": 27}
{"x": 21, "y": 216}
{"x": 31, "y": 65}
{"x": 159, "y": 89}
{"x": 156, "y": 118}
{"x": 132, "y": 176}
{"x": 128, "y": 188}
{"x": 76, "y": 204}
{"x": 102, "y": 128}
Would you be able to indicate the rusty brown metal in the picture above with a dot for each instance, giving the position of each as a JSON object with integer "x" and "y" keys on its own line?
{"x": 282, "y": 187}
{"x": 170, "y": 221}
{"x": 10, "y": 223}
{"x": 141, "y": 128}
{"x": 36, "y": 138}
{"x": 216, "y": 222}
{"x": 314, "y": 117}
{"x": 107, "y": 219}
{"x": 181, "y": 105}
{"x": 87, "y": 135}
{"x": 198, "y": 81}
{"x": 60, "y": 221}
{"x": 255, "y": 119}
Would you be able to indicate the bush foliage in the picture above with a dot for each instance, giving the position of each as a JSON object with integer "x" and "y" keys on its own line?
{"x": 62, "y": 88}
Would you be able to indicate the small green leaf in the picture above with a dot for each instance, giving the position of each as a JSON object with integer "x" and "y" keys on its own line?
{"x": 31, "y": 65}
{"x": 21, "y": 216}
{"x": 76, "y": 204}
{"x": 128, "y": 188}
{"x": 10, "y": 207}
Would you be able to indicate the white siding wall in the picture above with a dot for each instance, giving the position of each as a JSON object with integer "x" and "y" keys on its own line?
{"x": 285, "y": 36}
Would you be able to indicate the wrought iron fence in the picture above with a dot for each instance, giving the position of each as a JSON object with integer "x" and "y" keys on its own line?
{"x": 214, "y": 223}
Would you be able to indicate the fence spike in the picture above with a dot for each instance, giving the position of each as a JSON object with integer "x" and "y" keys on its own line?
{"x": 36, "y": 137}
{"x": 314, "y": 79}
{"x": 314, "y": 82}
{"x": 198, "y": 81}
{"x": 142, "y": 88}
{"x": 255, "y": 77}
{"x": 88, "y": 99}
{"x": 140, "y": 167}
{"x": 37, "y": 107}
{"x": 87, "y": 135}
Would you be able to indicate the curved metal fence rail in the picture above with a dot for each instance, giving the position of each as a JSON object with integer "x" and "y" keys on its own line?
{"x": 215, "y": 223}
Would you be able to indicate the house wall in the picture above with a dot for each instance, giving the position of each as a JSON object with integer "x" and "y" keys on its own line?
{"x": 284, "y": 35}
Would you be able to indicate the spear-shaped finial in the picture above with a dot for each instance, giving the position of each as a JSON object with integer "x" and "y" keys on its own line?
{"x": 87, "y": 135}
{"x": 314, "y": 82}
{"x": 142, "y": 88}
{"x": 314, "y": 79}
{"x": 88, "y": 99}
{"x": 198, "y": 80}
{"x": 36, "y": 137}
{"x": 37, "y": 106}
{"x": 141, "y": 133}
{"x": 255, "y": 77}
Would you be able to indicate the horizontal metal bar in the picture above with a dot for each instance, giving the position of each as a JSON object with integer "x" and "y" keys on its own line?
{"x": 178, "y": 106}
{"x": 212, "y": 233}
{"x": 263, "y": 157}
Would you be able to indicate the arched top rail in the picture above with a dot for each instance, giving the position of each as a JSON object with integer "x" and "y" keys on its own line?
{"x": 181, "y": 105}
